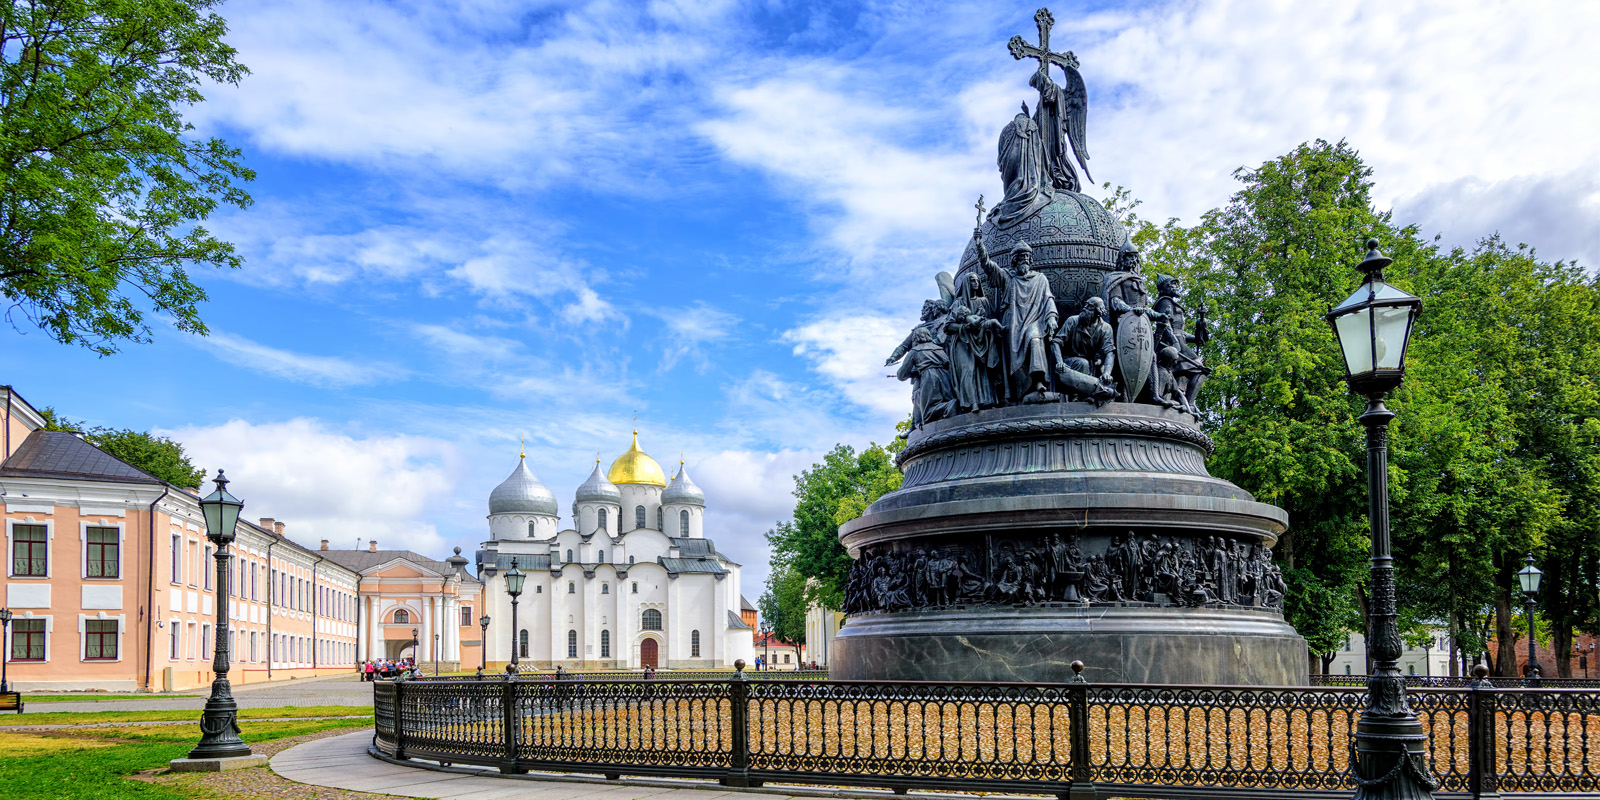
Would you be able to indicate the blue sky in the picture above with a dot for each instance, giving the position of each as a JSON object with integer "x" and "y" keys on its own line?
{"x": 482, "y": 221}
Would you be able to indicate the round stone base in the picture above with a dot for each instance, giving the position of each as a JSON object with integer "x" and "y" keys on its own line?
{"x": 1128, "y": 644}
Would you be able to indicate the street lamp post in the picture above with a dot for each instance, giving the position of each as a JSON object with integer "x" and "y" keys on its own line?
{"x": 436, "y": 655}
{"x": 219, "y": 724}
{"x": 5, "y": 648}
{"x": 416, "y": 644}
{"x": 483, "y": 641}
{"x": 1373, "y": 327}
{"x": 514, "y": 579}
{"x": 1530, "y": 577}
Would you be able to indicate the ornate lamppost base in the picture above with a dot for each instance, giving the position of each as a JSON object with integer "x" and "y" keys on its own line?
{"x": 219, "y": 726}
{"x": 1390, "y": 760}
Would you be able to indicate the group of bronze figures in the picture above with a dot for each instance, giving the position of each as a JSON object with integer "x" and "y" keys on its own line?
{"x": 1152, "y": 569}
{"x": 996, "y": 339}
{"x": 1000, "y": 336}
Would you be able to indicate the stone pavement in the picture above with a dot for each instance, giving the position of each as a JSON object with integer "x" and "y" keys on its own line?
{"x": 339, "y": 690}
{"x": 342, "y": 762}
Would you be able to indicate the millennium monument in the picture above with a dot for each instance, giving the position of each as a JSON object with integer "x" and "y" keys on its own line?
{"x": 1056, "y": 505}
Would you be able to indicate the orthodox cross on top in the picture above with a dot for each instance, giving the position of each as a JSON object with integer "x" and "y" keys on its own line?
{"x": 1021, "y": 49}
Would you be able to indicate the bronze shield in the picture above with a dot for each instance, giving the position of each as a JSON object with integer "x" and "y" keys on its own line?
{"x": 1136, "y": 354}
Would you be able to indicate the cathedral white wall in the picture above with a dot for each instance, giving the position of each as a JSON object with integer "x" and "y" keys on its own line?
{"x": 514, "y": 527}
{"x": 635, "y": 495}
{"x": 674, "y": 521}
{"x": 589, "y": 517}
{"x": 646, "y": 545}
{"x": 739, "y": 644}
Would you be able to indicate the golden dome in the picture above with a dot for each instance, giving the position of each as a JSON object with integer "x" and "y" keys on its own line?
{"x": 636, "y": 467}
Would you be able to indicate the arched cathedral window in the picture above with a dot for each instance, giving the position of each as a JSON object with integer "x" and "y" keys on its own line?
{"x": 683, "y": 522}
{"x": 602, "y": 519}
{"x": 569, "y": 555}
{"x": 650, "y": 620}
{"x": 694, "y": 644}
{"x": 638, "y": 516}
{"x": 572, "y": 644}
{"x": 658, "y": 519}
{"x": 635, "y": 587}
{"x": 605, "y": 588}
{"x": 605, "y": 644}
{"x": 530, "y": 529}
{"x": 630, "y": 559}
{"x": 572, "y": 588}
{"x": 522, "y": 644}
{"x": 601, "y": 556}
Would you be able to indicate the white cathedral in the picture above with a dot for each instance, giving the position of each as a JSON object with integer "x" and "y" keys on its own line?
{"x": 633, "y": 583}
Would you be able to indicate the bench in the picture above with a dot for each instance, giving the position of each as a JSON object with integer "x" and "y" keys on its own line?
{"x": 11, "y": 700}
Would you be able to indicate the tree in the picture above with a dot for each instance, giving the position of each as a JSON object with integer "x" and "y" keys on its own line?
{"x": 159, "y": 456}
{"x": 101, "y": 185}
{"x": 783, "y": 605}
{"x": 832, "y": 492}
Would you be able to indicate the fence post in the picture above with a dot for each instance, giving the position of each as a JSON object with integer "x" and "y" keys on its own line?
{"x": 508, "y": 716}
{"x": 1483, "y": 773}
{"x": 399, "y": 719}
{"x": 1082, "y": 770}
{"x": 739, "y": 704}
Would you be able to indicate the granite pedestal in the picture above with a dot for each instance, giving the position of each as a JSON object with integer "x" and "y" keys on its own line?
{"x": 1025, "y": 538}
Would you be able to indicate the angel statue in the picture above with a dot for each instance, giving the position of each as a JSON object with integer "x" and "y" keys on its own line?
{"x": 1062, "y": 114}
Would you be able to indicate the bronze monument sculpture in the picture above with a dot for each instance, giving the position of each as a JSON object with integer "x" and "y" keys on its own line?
{"x": 1056, "y": 504}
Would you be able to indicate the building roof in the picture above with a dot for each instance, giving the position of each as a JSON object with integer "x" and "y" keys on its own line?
{"x": 527, "y": 562}
{"x": 735, "y": 622}
{"x": 636, "y": 467}
{"x": 683, "y": 491}
{"x": 363, "y": 560}
{"x": 597, "y": 489}
{"x": 744, "y": 604}
{"x": 56, "y": 454}
{"x": 682, "y": 566}
{"x": 522, "y": 493}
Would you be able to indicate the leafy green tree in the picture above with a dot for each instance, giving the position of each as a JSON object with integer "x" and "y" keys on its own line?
{"x": 158, "y": 456}
{"x": 101, "y": 183}
{"x": 783, "y": 605}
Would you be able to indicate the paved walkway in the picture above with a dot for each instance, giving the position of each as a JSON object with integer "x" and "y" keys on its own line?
{"x": 342, "y": 762}
{"x": 337, "y": 690}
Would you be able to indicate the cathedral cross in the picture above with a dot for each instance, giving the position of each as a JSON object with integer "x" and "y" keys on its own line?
{"x": 1020, "y": 49}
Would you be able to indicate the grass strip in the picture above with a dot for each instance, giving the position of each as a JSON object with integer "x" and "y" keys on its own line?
{"x": 177, "y": 715}
{"x": 86, "y": 769}
{"x": 99, "y": 697}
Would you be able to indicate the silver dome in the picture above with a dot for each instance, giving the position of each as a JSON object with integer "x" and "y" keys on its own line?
{"x": 599, "y": 489}
{"x": 522, "y": 493}
{"x": 683, "y": 491}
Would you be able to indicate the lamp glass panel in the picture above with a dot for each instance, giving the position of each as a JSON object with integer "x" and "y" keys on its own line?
{"x": 1393, "y": 326}
{"x": 211, "y": 507}
{"x": 1355, "y": 339}
{"x": 1530, "y": 577}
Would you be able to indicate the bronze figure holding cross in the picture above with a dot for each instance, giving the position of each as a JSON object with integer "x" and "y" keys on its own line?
{"x": 1063, "y": 110}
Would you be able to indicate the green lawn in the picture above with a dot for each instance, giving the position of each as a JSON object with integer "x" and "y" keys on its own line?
{"x": 86, "y": 770}
{"x": 95, "y": 697}
{"x": 80, "y": 717}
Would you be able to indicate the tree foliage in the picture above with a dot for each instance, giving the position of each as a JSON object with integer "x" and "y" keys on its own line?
{"x": 101, "y": 183}
{"x": 809, "y": 565}
{"x": 1492, "y": 451}
{"x": 158, "y": 456}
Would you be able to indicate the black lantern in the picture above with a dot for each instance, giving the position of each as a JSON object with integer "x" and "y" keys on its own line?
{"x": 514, "y": 579}
{"x": 1529, "y": 578}
{"x": 221, "y": 511}
{"x": 219, "y": 723}
{"x": 5, "y": 653}
{"x": 483, "y": 640}
{"x": 1373, "y": 326}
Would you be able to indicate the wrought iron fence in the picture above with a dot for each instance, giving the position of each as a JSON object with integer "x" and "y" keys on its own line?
{"x": 635, "y": 675}
{"x": 1422, "y": 681}
{"x": 1075, "y": 739}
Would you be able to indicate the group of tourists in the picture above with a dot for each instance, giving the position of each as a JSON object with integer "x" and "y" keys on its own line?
{"x": 385, "y": 669}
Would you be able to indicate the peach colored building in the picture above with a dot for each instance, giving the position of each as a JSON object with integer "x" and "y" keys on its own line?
{"x": 111, "y": 579}
{"x": 402, "y": 592}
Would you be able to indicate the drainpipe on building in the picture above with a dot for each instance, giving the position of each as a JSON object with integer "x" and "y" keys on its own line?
{"x": 270, "y": 585}
{"x": 316, "y": 597}
{"x": 149, "y": 575}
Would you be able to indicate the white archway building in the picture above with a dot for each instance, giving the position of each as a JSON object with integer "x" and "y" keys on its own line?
{"x": 633, "y": 583}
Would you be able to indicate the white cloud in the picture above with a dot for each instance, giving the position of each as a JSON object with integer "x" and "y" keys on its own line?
{"x": 747, "y": 492}
{"x": 849, "y": 351}
{"x": 298, "y": 367}
{"x": 330, "y": 485}
{"x": 689, "y": 329}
